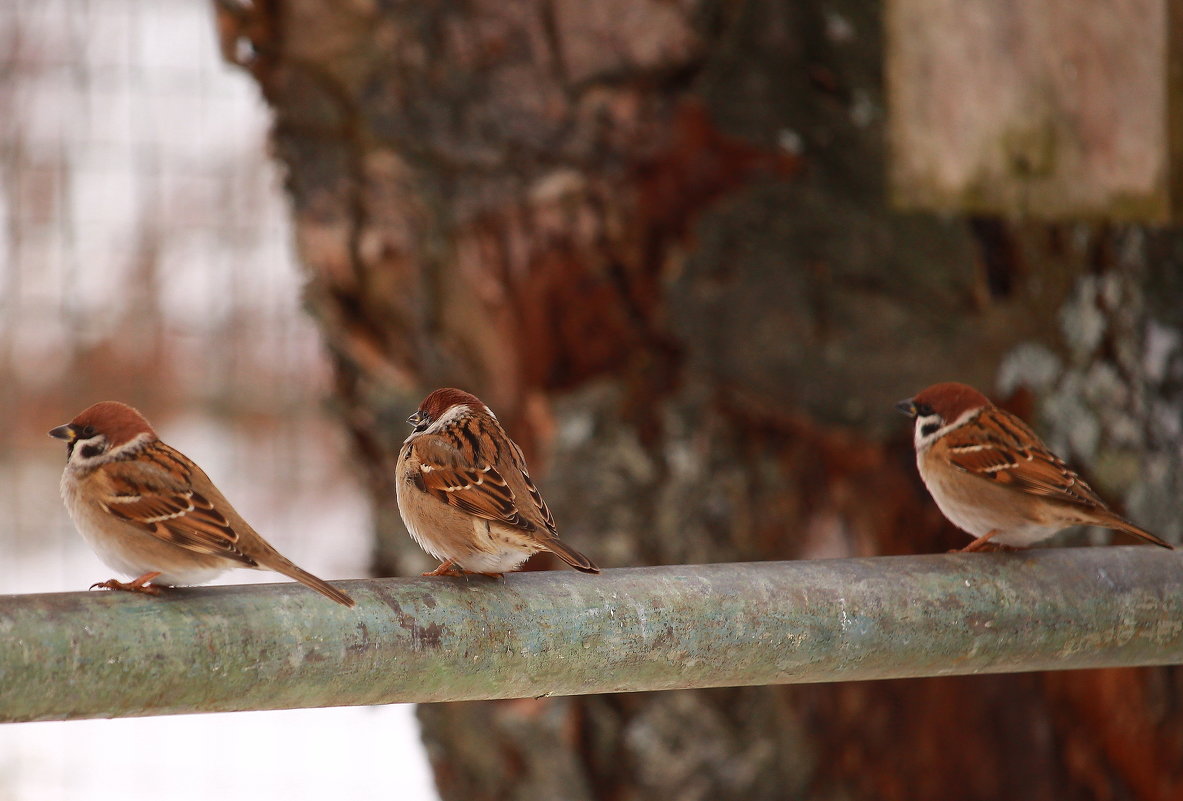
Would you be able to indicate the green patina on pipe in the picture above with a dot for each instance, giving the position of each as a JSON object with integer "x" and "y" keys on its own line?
{"x": 92, "y": 654}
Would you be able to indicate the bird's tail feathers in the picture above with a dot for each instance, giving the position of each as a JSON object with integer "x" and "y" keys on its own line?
{"x": 281, "y": 565}
{"x": 1121, "y": 524}
{"x": 571, "y": 556}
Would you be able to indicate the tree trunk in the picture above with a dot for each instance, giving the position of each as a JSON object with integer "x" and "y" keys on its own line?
{"x": 651, "y": 235}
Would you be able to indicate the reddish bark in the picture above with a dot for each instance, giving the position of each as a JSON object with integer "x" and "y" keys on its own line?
{"x": 651, "y": 236}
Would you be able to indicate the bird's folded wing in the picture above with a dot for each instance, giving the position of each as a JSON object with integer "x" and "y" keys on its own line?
{"x": 1030, "y": 469}
{"x": 171, "y": 510}
{"x": 474, "y": 487}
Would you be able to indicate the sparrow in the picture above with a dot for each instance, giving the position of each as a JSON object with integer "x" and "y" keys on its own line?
{"x": 992, "y": 477}
{"x": 148, "y": 511}
{"x": 465, "y": 494}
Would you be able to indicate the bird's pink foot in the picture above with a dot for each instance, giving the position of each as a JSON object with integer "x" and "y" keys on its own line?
{"x": 983, "y": 543}
{"x": 979, "y": 543}
{"x": 140, "y": 584}
{"x": 989, "y": 547}
{"x": 446, "y": 569}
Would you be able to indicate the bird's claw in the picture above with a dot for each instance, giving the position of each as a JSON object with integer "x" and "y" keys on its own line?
{"x": 449, "y": 568}
{"x": 140, "y": 585}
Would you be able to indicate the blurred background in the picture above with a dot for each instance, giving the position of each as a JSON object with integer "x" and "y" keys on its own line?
{"x": 146, "y": 256}
{"x": 690, "y": 251}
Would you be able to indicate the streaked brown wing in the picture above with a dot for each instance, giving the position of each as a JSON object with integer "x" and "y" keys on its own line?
{"x": 1046, "y": 475}
{"x": 1001, "y": 448}
{"x": 477, "y": 488}
{"x": 548, "y": 519}
{"x": 157, "y": 496}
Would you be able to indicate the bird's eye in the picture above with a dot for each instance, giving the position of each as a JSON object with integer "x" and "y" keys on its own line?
{"x": 87, "y": 432}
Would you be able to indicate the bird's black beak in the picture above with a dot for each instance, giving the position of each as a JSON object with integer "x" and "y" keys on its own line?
{"x": 415, "y": 419}
{"x": 906, "y": 407}
{"x": 66, "y": 432}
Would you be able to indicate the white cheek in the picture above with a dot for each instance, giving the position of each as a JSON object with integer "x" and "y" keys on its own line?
{"x": 926, "y": 434}
{"x": 928, "y": 428}
{"x": 446, "y": 419}
{"x": 82, "y": 462}
{"x": 78, "y": 457}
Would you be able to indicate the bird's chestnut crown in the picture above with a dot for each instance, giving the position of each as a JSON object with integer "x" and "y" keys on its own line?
{"x": 949, "y": 400}
{"x": 119, "y": 422}
{"x": 438, "y": 402}
{"x": 104, "y": 425}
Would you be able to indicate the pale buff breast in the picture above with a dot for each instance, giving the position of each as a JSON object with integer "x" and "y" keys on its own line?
{"x": 131, "y": 550}
{"x": 447, "y": 533}
{"x": 978, "y": 506}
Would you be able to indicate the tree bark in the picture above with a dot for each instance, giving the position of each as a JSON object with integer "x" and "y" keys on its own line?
{"x": 651, "y": 235}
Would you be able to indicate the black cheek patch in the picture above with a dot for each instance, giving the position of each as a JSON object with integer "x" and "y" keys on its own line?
{"x": 928, "y": 429}
{"x": 91, "y": 451}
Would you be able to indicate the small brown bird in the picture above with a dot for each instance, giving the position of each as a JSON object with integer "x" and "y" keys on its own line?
{"x": 993, "y": 477}
{"x": 465, "y": 494}
{"x": 150, "y": 512}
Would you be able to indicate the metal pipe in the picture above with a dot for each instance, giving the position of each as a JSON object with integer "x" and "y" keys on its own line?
{"x": 275, "y": 646}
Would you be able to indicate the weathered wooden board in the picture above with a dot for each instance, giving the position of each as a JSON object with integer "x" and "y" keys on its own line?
{"x": 1057, "y": 108}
